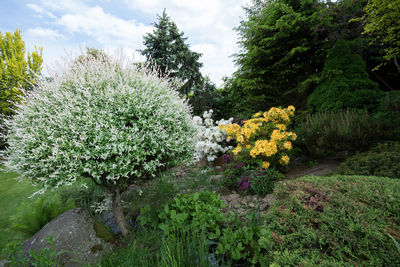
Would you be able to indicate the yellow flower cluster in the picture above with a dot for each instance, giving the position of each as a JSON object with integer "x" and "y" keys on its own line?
{"x": 264, "y": 135}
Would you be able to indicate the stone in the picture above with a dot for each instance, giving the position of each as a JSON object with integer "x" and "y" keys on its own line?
{"x": 77, "y": 232}
{"x": 217, "y": 178}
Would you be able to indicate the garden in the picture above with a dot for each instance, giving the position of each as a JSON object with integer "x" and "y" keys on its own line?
{"x": 295, "y": 161}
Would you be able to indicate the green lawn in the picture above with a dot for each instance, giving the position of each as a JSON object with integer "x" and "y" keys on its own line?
{"x": 12, "y": 193}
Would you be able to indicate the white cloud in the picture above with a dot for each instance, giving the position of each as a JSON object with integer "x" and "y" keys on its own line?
{"x": 208, "y": 24}
{"x": 40, "y": 10}
{"x": 39, "y": 32}
{"x": 104, "y": 28}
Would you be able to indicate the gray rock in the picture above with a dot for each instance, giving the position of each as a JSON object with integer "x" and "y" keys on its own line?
{"x": 76, "y": 231}
{"x": 217, "y": 178}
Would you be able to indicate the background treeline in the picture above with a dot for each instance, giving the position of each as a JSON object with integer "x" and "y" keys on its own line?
{"x": 311, "y": 52}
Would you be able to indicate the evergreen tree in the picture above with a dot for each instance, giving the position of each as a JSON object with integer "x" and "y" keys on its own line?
{"x": 166, "y": 49}
{"x": 18, "y": 69}
{"x": 346, "y": 84}
{"x": 278, "y": 53}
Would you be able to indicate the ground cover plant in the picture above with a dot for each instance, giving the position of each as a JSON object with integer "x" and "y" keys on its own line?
{"x": 337, "y": 220}
{"x": 112, "y": 122}
{"x": 382, "y": 160}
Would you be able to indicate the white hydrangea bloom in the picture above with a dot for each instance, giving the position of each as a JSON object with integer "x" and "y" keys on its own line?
{"x": 210, "y": 140}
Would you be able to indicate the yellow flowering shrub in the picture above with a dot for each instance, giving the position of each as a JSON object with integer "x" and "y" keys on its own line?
{"x": 264, "y": 138}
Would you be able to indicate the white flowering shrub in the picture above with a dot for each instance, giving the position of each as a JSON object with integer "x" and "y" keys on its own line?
{"x": 210, "y": 140}
{"x": 106, "y": 120}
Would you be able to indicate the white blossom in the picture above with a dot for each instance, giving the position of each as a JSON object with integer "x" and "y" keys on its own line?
{"x": 210, "y": 140}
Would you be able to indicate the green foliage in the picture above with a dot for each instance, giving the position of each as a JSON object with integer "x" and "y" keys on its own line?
{"x": 382, "y": 22}
{"x": 83, "y": 196}
{"x": 346, "y": 83}
{"x": 335, "y": 221}
{"x": 17, "y": 70}
{"x": 13, "y": 193}
{"x": 31, "y": 216}
{"x": 186, "y": 249}
{"x": 148, "y": 247}
{"x": 262, "y": 181}
{"x": 167, "y": 51}
{"x": 200, "y": 210}
{"x": 279, "y": 52}
{"x": 328, "y": 132}
{"x": 46, "y": 257}
{"x": 382, "y": 160}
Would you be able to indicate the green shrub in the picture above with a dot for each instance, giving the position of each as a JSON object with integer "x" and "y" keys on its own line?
{"x": 346, "y": 84}
{"x": 31, "y": 216}
{"x": 385, "y": 164}
{"x": 334, "y": 221}
{"x": 328, "y": 132}
{"x": 200, "y": 210}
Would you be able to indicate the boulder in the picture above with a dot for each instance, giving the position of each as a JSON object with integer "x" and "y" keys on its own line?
{"x": 77, "y": 232}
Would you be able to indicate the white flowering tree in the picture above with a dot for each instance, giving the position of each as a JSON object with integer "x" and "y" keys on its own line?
{"x": 210, "y": 140}
{"x": 112, "y": 122}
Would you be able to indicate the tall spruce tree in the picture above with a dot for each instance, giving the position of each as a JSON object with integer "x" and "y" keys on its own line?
{"x": 167, "y": 50}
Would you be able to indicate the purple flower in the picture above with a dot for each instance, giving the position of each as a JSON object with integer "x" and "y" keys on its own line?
{"x": 240, "y": 165}
{"x": 244, "y": 186}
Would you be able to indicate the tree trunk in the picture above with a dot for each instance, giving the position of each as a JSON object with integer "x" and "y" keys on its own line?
{"x": 119, "y": 214}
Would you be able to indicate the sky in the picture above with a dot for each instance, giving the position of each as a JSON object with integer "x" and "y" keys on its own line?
{"x": 67, "y": 27}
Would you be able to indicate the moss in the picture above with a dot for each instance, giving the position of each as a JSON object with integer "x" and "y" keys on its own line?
{"x": 96, "y": 248}
{"x": 102, "y": 232}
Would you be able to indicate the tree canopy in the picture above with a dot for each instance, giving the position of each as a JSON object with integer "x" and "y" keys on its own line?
{"x": 382, "y": 22}
{"x": 18, "y": 69}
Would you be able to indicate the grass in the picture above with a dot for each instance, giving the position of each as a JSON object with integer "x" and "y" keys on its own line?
{"x": 12, "y": 193}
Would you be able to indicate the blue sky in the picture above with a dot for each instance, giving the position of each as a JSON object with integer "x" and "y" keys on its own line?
{"x": 66, "y": 26}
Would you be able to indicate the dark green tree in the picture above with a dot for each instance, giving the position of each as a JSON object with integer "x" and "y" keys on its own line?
{"x": 346, "y": 83}
{"x": 278, "y": 53}
{"x": 167, "y": 50}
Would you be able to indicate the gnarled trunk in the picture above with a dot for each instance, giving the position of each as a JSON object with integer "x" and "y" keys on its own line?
{"x": 119, "y": 214}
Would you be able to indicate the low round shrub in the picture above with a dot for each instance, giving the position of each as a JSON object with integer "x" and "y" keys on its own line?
{"x": 385, "y": 164}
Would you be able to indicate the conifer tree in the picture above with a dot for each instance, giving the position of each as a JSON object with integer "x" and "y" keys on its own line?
{"x": 346, "y": 84}
{"x": 166, "y": 48}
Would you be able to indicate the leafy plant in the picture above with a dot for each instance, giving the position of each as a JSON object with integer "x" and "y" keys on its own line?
{"x": 200, "y": 210}
{"x": 385, "y": 164}
{"x": 34, "y": 215}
